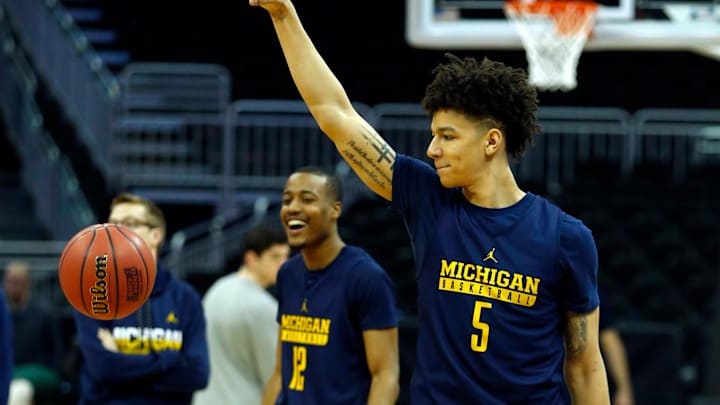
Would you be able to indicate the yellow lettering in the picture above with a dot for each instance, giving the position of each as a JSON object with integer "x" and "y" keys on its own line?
{"x": 482, "y": 273}
{"x": 297, "y": 382}
{"x": 503, "y": 278}
{"x": 517, "y": 282}
{"x": 479, "y": 341}
{"x": 460, "y": 270}
{"x": 448, "y": 270}
{"x": 474, "y": 279}
{"x": 531, "y": 285}
{"x": 493, "y": 272}
{"x": 469, "y": 273}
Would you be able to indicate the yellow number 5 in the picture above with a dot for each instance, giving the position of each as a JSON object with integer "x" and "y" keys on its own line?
{"x": 297, "y": 382}
{"x": 478, "y": 342}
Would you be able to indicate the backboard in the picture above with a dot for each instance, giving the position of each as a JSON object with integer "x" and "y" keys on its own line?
{"x": 621, "y": 25}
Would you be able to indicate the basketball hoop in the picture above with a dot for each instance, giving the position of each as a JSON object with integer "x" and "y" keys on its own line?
{"x": 553, "y": 33}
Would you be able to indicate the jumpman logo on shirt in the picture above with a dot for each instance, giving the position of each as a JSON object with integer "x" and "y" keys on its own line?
{"x": 303, "y": 307}
{"x": 171, "y": 318}
{"x": 490, "y": 256}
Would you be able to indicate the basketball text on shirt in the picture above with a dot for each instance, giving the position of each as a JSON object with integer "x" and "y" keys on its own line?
{"x": 488, "y": 282}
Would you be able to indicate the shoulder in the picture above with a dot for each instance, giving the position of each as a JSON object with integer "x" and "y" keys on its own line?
{"x": 220, "y": 289}
{"x": 362, "y": 266}
{"x": 221, "y": 284}
{"x": 546, "y": 207}
{"x": 259, "y": 301}
{"x": 359, "y": 258}
{"x": 577, "y": 244}
{"x": 572, "y": 228}
{"x": 567, "y": 224}
{"x": 184, "y": 289}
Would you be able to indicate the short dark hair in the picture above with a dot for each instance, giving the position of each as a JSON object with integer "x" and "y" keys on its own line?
{"x": 333, "y": 182}
{"x": 262, "y": 237}
{"x": 487, "y": 90}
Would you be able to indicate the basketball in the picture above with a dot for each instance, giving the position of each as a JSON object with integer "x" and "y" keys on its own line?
{"x": 106, "y": 271}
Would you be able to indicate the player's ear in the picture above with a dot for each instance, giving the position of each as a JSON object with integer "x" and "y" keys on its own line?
{"x": 494, "y": 141}
{"x": 249, "y": 257}
{"x": 157, "y": 236}
{"x": 336, "y": 210}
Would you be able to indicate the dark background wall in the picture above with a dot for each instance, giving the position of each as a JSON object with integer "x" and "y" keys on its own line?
{"x": 364, "y": 43}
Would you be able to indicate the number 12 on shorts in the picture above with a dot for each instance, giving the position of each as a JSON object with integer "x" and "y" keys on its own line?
{"x": 478, "y": 341}
{"x": 297, "y": 383}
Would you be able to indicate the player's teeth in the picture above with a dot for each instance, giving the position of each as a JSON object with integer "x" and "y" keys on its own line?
{"x": 295, "y": 222}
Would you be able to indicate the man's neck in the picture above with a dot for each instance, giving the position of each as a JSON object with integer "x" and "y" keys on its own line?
{"x": 319, "y": 257}
{"x": 497, "y": 190}
{"x": 245, "y": 273}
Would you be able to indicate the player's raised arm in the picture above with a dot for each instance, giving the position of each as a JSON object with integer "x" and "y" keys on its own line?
{"x": 358, "y": 143}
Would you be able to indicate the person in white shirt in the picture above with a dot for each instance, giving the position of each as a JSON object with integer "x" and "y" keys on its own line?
{"x": 241, "y": 326}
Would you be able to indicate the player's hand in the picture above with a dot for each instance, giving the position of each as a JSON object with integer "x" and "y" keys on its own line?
{"x": 276, "y": 8}
{"x": 106, "y": 338}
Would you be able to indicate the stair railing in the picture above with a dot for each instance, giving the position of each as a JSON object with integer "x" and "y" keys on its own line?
{"x": 74, "y": 72}
{"x": 45, "y": 172}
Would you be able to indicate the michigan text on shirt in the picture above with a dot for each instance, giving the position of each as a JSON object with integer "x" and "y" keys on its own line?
{"x": 304, "y": 329}
{"x": 488, "y": 282}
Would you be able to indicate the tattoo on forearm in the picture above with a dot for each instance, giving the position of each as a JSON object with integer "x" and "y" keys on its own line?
{"x": 576, "y": 335}
{"x": 359, "y": 164}
{"x": 386, "y": 153}
{"x": 358, "y": 155}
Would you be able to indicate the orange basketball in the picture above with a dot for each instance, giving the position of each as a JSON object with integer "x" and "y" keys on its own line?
{"x": 106, "y": 271}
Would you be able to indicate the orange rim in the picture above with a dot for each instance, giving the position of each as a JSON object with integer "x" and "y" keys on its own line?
{"x": 570, "y": 16}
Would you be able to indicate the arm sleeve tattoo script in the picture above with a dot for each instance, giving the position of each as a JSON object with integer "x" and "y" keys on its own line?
{"x": 372, "y": 156}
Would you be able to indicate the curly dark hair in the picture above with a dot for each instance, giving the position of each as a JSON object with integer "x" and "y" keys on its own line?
{"x": 487, "y": 90}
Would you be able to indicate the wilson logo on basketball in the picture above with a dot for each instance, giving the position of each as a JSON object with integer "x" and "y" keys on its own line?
{"x": 99, "y": 290}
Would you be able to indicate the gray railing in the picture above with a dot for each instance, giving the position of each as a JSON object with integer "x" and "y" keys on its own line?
{"x": 170, "y": 126}
{"x": 74, "y": 72}
{"x": 677, "y": 139}
{"x": 42, "y": 256}
{"x": 206, "y": 246}
{"x": 571, "y": 137}
{"x": 266, "y": 139}
{"x": 45, "y": 172}
{"x": 270, "y": 138}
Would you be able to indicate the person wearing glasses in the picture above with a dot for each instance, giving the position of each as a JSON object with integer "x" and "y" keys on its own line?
{"x": 158, "y": 354}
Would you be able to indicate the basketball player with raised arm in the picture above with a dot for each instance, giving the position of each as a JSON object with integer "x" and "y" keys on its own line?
{"x": 508, "y": 301}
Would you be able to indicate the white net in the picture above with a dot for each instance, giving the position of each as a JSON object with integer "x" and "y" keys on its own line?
{"x": 553, "y": 34}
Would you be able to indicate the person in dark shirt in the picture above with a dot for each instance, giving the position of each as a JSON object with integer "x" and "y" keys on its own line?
{"x": 338, "y": 337}
{"x": 508, "y": 304}
{"x": 158, "y": 354}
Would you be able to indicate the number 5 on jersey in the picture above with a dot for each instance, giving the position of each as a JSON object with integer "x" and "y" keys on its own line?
{"x": 297, "y": 383}
{"x": 478, "y": 341}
